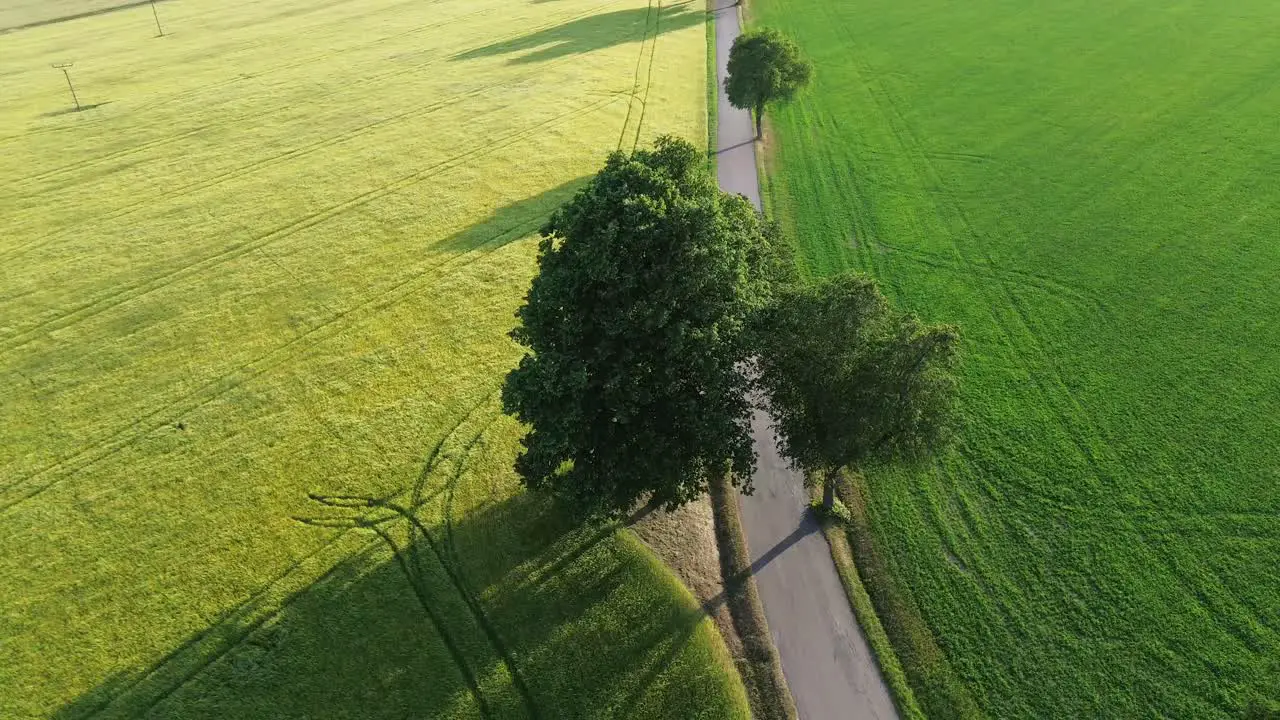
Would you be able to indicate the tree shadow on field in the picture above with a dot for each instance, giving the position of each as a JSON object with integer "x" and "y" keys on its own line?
{"x": 511, "y": 222}
{"x": 510, "y": 611}
{"x": 507, "y": 611}
{"x": 594, "y": 32}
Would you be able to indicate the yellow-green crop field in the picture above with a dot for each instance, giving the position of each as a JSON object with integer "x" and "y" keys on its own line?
{"x": 253, "y": 312}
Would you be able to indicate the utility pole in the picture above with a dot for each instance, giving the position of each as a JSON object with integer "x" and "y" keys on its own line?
{"x": 157, "y": 14}
{"x": 65, "y": 68}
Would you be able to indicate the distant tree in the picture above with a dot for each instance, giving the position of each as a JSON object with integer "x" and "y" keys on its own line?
{"x": 765, "y": 67}
{"x": 850, "y": 380}
{"x": 636, "y": 326}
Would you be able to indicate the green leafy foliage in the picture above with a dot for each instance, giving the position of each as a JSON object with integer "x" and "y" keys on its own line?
{"x": 1262, "y": 710}
{"x": 849, "y": 379}
{"x": 765, "y": 67}
{"x": 636, "y": 325}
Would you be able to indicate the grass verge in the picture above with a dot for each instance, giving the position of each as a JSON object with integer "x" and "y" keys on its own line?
{"x": 834, "y": 527}
{"x": 685, "y": 540}
{"x": 922, "y": 681}
{"x": 762, "y": 670}
{"x": 713, "y": 89}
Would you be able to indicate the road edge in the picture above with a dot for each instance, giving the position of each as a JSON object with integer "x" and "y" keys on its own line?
{"x": 842, "y": 538}
{"x": 762, "y": 667}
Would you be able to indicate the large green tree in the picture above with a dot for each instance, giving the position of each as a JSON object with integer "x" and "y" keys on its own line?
{"x": 636, "y": 327}
{"x": 765, "y": 67}
{"x": 850, "y": 380}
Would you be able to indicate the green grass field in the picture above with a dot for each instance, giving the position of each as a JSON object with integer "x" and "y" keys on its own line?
{"x": 1090, "y": 190}
{"x": 253, "y": 305}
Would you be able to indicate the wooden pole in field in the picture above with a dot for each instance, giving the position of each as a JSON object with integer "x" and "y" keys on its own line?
{"x": 64, "y": 67}
{"x": 156, "y": 13}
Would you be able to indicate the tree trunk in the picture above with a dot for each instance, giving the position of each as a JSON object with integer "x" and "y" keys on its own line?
{"x": 828, "y": 490}
{"x": 760, "y": 121}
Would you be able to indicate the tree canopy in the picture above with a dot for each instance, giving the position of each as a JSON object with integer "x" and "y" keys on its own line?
{"x": 765, "y": 67}
{"x": 850, "y": 380}
{"x": 636, "y": 328}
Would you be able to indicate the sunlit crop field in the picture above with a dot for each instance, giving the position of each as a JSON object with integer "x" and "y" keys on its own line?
{"x": 253, "y": 312}
{"x": 1092, "y": 191}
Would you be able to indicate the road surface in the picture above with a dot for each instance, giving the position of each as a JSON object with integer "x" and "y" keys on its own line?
{"x": 825, "y": 658}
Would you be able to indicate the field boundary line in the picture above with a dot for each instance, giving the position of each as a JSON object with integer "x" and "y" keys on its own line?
{"x": 911, "y": 643}
{"x": 127, "y": 5}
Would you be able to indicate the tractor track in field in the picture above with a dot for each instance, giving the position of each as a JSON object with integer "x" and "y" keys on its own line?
{"x": 64, "y": 169}
{"x": 286, "y": 156}
{"x": 248, "y": 606}
{"x": 635, "y": 82}
{"x": 411, "y": 563}
{"x": 1055, "y": 288}
{"x": 241, "y": 171}
{"x": 450, "y": 543}
{"x": 134, "y": 292}
{"x": 206, "y": 660}
{"x": 257, "y": 114}
{"x": 129, "y": 435}
{"x": 424, "y": 600}
{"x": 648, "y": 83}
{"x": 1072, "y": 416}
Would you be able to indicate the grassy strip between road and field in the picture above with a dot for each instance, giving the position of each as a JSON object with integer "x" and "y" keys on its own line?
{"x": 762, "y": 670}
{"x": 713, "y": 89}
{"x": 764, "y": 155}
{"x": 702, "y": 635}
{"x": 890, "y": 666}
{"x": 922, "y": 681}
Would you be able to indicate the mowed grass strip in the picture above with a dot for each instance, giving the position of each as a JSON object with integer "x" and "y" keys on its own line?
{"x": 1088, "y": 190}
{"x": 253, "y": 306}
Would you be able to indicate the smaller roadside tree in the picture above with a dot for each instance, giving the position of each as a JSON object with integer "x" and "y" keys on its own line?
{"x": 850, "y": 380}
{"x": 765, "y": 67}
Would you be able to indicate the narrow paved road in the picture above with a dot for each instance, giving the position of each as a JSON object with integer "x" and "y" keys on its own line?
{"x": 825, "y": 657}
